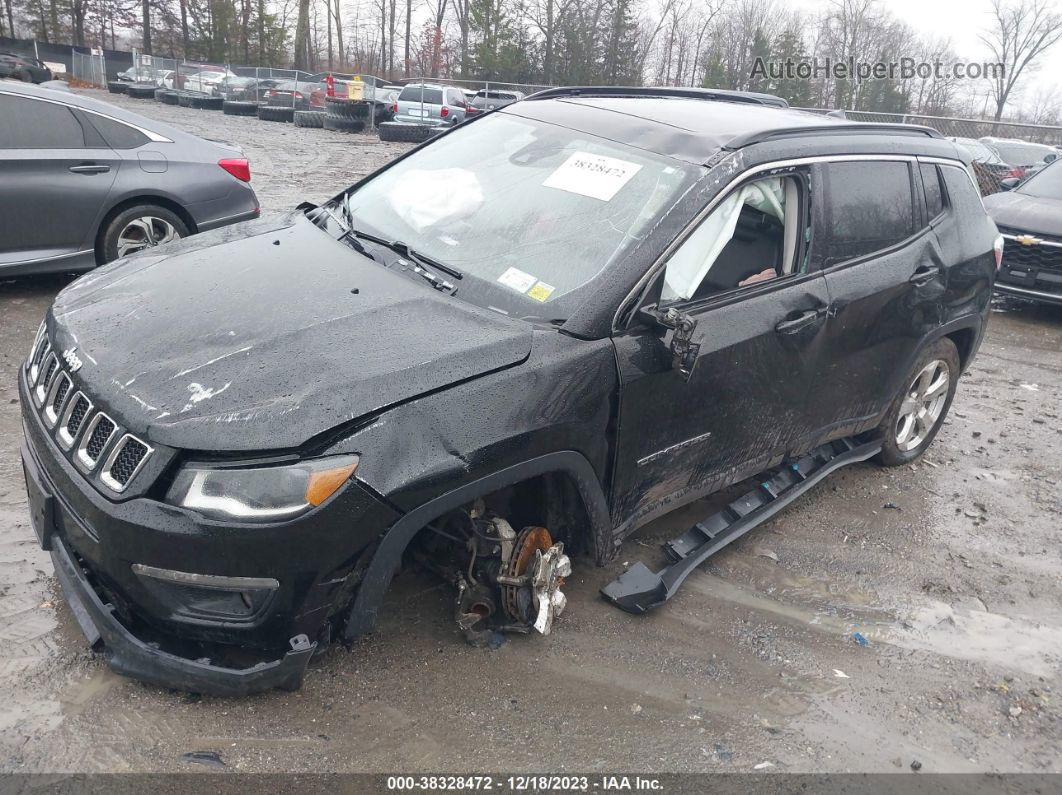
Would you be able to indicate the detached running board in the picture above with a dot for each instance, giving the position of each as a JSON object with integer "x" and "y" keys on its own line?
{"x": 639, "y": 589}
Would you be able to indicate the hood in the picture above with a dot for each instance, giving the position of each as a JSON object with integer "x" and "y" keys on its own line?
{"x": 261, "y": 336}
{"x": 1024, "y": 212}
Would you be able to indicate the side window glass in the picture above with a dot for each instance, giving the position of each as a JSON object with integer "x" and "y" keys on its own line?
{"x": 866, "y": 207}
{"x": 27, "y": 123}
{"x": 118, "y": 135}
{"x": 964, "y": 197}
{"x": 934, "y": 193}
{"x": 752, "y": 236}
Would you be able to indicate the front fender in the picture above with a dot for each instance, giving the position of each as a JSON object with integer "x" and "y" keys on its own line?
{"x": 388, "y": 554}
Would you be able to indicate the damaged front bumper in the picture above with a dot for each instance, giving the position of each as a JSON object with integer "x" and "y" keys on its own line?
{"x": 179, "y": 630}
{"x": 129, "y": 655}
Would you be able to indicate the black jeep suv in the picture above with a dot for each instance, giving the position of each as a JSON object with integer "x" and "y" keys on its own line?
{"x": 532, "y": 334}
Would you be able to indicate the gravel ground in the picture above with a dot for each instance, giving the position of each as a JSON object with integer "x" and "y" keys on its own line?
{"x": 948, "y": 568}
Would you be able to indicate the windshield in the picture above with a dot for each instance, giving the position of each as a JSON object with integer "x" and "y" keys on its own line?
{"x": 531, "y": 213}
{"x": 1046, "y": 184}
{"x": 1021, "y": 154}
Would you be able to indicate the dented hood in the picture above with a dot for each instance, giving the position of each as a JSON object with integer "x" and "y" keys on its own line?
{"x": 262, "y": 336}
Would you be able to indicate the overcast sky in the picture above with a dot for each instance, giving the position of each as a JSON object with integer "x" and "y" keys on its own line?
{"x": 961, "y": 21}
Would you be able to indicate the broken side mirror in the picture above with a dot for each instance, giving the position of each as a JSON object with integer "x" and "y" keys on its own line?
{"x": 683, "y": 350}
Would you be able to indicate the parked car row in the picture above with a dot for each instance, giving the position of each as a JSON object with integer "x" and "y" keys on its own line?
{"x": 1000, "y": 163}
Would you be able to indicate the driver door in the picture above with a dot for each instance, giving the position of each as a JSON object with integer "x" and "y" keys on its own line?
{"x": 744, "y": 403}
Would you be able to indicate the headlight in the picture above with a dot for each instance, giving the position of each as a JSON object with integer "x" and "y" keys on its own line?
{"x": 262, "y": 494}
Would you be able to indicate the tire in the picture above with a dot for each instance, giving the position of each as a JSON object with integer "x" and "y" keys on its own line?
{"x": 266, "y": 113}
{"x": 121, "y": 234}
{"x": 184, "y": 99}
{"x": 141, "y": 90}
{"x": 117, "y": 86}
{"x": 340, "y": 108}
{"x": 343, "y": 125}
{"x": 207, "y": 103}
{"x": 168, "y": 97}
{"x": 408, "y": 133}
{"x": 234, "y": 108}
{"x": 309, "y": 118}
{"x": 914, "y": 418}
{"x": 160, "y": 91}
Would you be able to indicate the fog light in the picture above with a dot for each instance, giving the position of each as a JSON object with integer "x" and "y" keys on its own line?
{"x": 208, "y": 597}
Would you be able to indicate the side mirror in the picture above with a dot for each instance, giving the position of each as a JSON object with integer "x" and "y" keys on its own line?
{"x": 683, "y": 350}
{"x": 1050, "y": 157}
{"x": 1010, "y": 183}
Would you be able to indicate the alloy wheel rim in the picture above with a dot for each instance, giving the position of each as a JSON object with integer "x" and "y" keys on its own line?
{"x": 145, "y": 232}
{"x": 923, "y": 403}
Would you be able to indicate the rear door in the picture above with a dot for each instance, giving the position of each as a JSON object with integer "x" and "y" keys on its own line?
{"x": 885, "y": 272}
{"x": 55, "y": 175}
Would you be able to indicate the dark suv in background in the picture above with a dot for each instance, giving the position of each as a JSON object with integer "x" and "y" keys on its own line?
{"x": 24, "y": 68}
{"x": 521, "y": 341}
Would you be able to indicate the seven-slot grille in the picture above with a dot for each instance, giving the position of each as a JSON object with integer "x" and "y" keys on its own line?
{"x": 95, "y": 441}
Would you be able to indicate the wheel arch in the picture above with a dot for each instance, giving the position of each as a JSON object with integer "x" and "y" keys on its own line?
{"x": 146, "y": 198}
{"x": 387, "y": 557}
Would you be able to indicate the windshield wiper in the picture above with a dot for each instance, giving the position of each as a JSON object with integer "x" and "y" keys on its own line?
{"x": 397, "y": 246}
{"x": 348, "y": 233}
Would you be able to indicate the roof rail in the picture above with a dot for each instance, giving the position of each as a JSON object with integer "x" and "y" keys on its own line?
{"x": 852, "y": 128}
{"x": 716, "y": 94}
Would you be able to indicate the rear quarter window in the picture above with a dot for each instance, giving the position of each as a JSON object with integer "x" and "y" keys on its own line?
{"x": 866, "y": 207}
{"x": 963, "y": 196}
{"x": 116, "y": 134}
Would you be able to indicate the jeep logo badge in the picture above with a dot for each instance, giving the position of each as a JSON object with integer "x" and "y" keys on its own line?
{"x": 71, "y": 359}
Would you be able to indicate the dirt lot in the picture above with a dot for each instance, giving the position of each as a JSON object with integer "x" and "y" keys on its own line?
{"x": 949, "y": 568}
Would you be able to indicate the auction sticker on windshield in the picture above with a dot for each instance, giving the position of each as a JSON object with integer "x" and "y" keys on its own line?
{"x": 596, "y": 176}
{"x": 518, "y": 280}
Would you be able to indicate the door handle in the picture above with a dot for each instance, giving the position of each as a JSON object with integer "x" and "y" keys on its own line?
{"x": 924, "y": 275}
{"x": 90, "y": 168}
{"x": 791, "y": 325}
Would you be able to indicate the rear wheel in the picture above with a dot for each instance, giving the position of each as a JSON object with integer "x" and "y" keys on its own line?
{"x": 915, "y": 416}
{"x": 140, "y": 227}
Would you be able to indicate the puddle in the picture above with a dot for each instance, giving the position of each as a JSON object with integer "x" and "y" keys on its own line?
{"x": 981, "y": 637}
{"x": 960, "y": 633}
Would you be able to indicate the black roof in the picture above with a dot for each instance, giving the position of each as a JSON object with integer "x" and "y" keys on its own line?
{"x": 690, "y": 125}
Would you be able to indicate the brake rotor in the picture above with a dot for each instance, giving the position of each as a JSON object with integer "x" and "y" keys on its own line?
{"x": 528, "y": 541}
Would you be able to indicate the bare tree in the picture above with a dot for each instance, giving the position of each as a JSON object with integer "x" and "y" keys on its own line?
{"x": 1022, "y": 30}
{"x": 302, "y": 36}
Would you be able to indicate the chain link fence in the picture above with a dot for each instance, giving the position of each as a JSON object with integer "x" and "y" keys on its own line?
{"x": 90, "y": 68}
